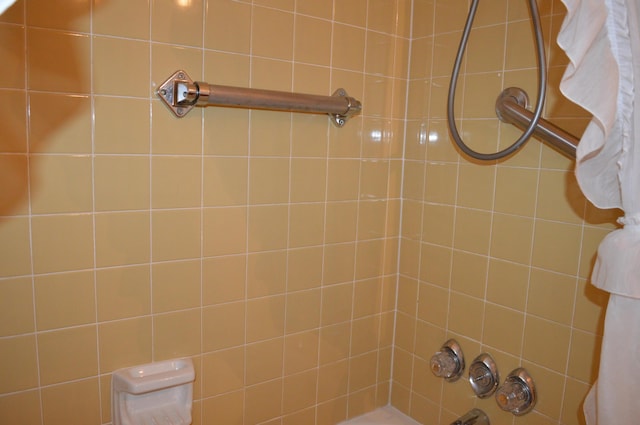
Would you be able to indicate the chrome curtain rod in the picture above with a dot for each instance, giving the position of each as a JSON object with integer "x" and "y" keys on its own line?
{"x": 511, "y": 108}
{"x": 181, "y": 94}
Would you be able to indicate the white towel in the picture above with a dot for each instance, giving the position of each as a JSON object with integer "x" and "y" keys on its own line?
{"x": 5, "y": 4}
{"x": 602, "y": 40}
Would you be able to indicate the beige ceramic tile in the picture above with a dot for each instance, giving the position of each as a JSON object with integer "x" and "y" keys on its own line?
{"x": 16, "y": 307}
{"x": 110, "y": 57}
{"x": 590, "y": 308}
{"x": 340, "y": 221}
{"x": 121, "y": 125}
{"x": 231, "y": 334}
{"x": 304, "y": 268}
{"x": 176, "y": 285}
{"x": 301, "y": 351}
{"x": 228, "y": 408}
{"x": 121, "y": 182}
{"x": 225, "y": 231}
{"x": 348, "y": 55}
{"x": 121, "y": 18}
{"x": 225, "y": 181}
{"x": 266, "y": 273}
{"x": 223, "y": 371}
{"x": 485, "y": 49}
{"x": 472, "y": 230}
{"x": 169, "y": 191}
{"x": 61, "y": 184}
{"x": 272, "y": 33}
{"x": 228, "y": 26}
{"x": 584, "y": 357}
{"x": 67, "y": 354}
{"x": 476, "y": 186}
{"x": 13, "y": 135}
{"x": 306, "y": 225}
{"x": 73, "y": 16}
{"x": 123, "y": 292}
{"x": 538, "y": 333}
{"x": 556, "y": 246}
{"x": 516, "y": 190}
{"x": 308, "y": 180}
{"x": 22, "y": 408}
{"x": 268, "y": 180}
{"x": 264, "y": 361}
{"x": 166, "y": 129}
{"x": 314, "y": 8}
{"x": 176, "y": 334}
{"x": 122, "y": 238}
{"x": 507, "y": 284}
{"x": 299, "y": 391}
{"x": 177, "y": 22}
{"x": 503, "y": 329}
{"x": 465, "y": 315}
{"x": 50, "y": 233}
{"x": 312, "y": 40}
{"x": 551, "y": 296}
{"x": 559, "y": 197}
{"x": 15, "y": 258}
{"x": 511, "y": 238}
{"x": 64, "y": 299}
{"x": 267, "y": 227}
{"x": 19, "y": 371}
{"x": 176, "y": 234}
{"x": 263, "y": 401}
{"x": 13, "y": 75}
{"x": 380, "y": 54}
{"x": 124, "y": 343}
{"x": 302, "y": 311}
{"x": 362, "y": 371}
{"x": 435, "y": 264}
{"x": 441, "y": 181}
{"x": 370, "y": 256}
{"x": 265, "y": 318}
{"x": 469, "y": 273}
{"x": 74, "y": 403}
{"x": 223, "y": 279}
{"x": 351, "y": 12}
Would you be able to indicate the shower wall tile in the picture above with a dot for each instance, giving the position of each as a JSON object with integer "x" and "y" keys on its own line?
{"x": 13, "y": 50}
{"x": 75, "y": 306}
{"x": 58, "y": 61}
{"x": 73, "y": 16}
{"x": 218, "y": 238}
{"x": 121, "y": 18}
{"x": 506, "y": 249}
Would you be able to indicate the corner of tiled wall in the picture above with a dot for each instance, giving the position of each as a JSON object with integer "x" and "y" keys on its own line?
{"x": 497, "y": 255}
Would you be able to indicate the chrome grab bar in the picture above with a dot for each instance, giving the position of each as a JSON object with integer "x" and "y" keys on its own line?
{"x": 180, "y": 93}
{"x": 511, "y": 108}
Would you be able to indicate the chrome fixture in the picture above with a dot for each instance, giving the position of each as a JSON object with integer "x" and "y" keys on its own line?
{"x": 473, "y": 417}
{"x": 511, "y": 107}
{"x": 483, "y": 376}
{"x": 518, "y": 393}
{"x": 448, "y": 363}
{"x": 180, "y": 93}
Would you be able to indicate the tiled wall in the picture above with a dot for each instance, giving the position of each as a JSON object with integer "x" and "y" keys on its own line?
{"x": 263, "y": 245}
{"x": 497, "y": 256}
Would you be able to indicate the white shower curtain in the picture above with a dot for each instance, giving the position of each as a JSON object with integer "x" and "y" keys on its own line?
{"x": 602, "y": 40}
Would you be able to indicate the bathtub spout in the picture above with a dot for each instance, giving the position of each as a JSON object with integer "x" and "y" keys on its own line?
{"x": 473, "y": 417}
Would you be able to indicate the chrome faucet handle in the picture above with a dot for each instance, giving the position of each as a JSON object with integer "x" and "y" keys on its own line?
{"x": 448, "y": 363}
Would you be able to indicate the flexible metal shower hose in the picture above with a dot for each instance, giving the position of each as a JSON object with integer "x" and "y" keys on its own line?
{"x": 542, "y": 83}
